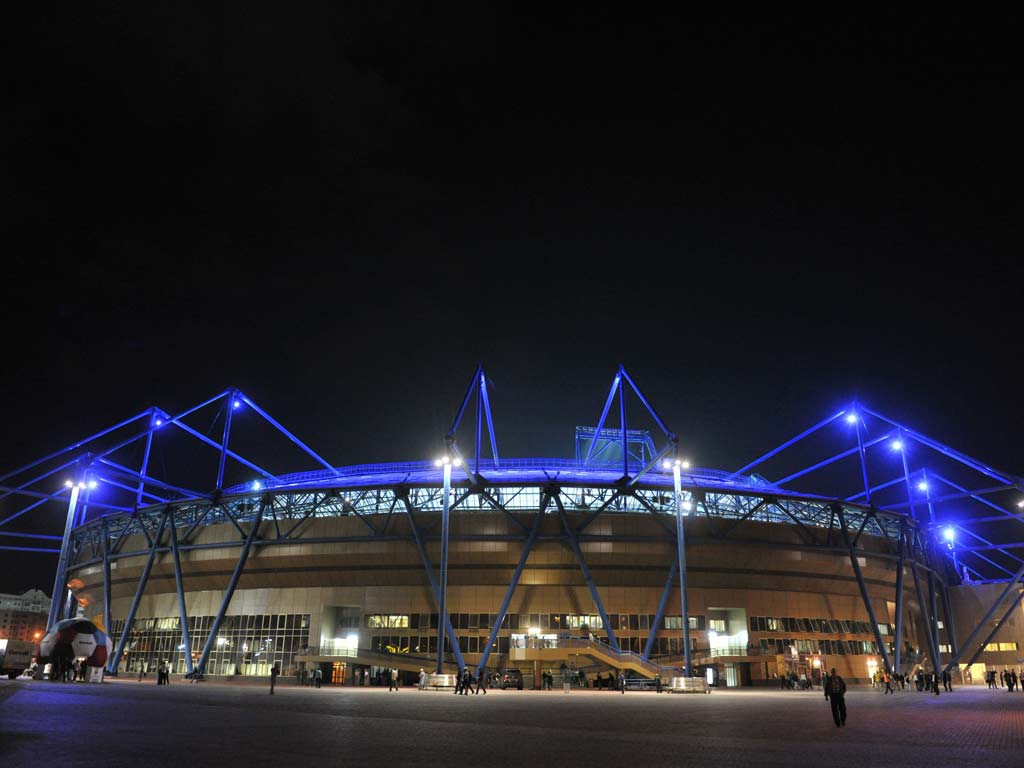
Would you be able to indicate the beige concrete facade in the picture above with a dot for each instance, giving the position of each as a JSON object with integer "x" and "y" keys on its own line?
{"x": 761, "y": 570}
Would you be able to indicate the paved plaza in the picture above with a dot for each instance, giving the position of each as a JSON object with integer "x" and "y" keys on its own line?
{"x": 126, "y": 723}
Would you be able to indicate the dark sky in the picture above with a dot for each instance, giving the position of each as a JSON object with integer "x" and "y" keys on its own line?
{"x": 342, "y": 211}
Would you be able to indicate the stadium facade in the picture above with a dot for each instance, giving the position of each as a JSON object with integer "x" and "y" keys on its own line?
{"x": 622, "y": 558}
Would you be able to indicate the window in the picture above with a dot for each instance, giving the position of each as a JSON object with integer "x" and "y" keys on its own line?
{"x": 716, "y": 625}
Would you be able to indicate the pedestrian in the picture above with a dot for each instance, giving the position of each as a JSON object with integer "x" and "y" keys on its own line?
{"x": 318, "y": 676}
{"x": 835, "y": 692}
{"x": 467, "y": 681}
{"x": 481, "y": 682}
{"x": 622, "y": 682}
{"x": 657, "y": 683}
{"x": 423, "y": 679}
{"x": 393, "y": 680}
{"x": 274, "y": 671}
{"x": 458, "y": 683}
{"x": 142, "y": 670}
{"x": 935, "y": 683}
{"x": 888, "y": 683}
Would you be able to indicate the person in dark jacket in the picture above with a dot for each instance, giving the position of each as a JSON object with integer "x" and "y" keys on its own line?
{"x": 622, "y": 682}
{"x": 835, "y": 692}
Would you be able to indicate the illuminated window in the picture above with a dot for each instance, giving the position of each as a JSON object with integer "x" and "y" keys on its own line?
{"x": 1007, "y": 646}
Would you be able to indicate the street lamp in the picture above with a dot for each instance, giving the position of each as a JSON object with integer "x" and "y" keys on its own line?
{"x": 446, "y": 464}
{"x": 950, "y": 536}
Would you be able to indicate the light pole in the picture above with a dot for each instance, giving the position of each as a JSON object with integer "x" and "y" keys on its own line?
{"x": 677, "y": 467}
{"x": 59, "y": 580}
{"x": 446, "y": 465}
{"x": 950, "y": 535}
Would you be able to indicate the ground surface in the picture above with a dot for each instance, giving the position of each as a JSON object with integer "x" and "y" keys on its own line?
{"x": 127, "y": 723}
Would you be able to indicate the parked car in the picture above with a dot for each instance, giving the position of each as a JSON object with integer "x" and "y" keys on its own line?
{"x": 511, "y": 678}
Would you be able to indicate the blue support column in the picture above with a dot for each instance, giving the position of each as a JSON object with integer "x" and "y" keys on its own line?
{"x": 622, "y": 423}
{"x": 968, "y": 643}
{"x": 443, "y": 619}
{"x": 934, "y": 626}
{"x": 899, "y": 597}
{"x": 490, "y": 421}
{"x": 60, "y": 580}
{"x": 512, "y": 586}
{"x": 947, "y": 606}
{"x": 933, "y": 649}
{"x": 999, "y": 625}
{"x": 130, "y": 619}
{"x": 144, "y": 471}
{"x": 862, "y": 586}
{"x": 225, "y": 438}
{"x": 863, "y": 463}
{"x": 906, "y": 473}
{"x": 604, "y": 416}
{"x": 106, "y": 578}
{"x": 179, "y": 586}
{"x": 661, "y": 609}
{"x": 574, "y": 543}
{"x": 230, "y": 590}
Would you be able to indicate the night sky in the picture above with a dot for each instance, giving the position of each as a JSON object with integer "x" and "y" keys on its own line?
{"x": 342, "y": 212}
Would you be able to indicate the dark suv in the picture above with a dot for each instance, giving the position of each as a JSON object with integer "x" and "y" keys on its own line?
{"x": 511, "y": 678}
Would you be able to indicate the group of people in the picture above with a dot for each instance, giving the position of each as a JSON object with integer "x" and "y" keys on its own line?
{"x": 789, "y": 681}
{"x": 163, "y": 672}
{"x": 1008, "y": 679}
{"x": 465, "y": 679}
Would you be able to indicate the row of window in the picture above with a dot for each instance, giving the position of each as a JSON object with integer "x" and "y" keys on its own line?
{"x": 828, "y": 647}
{"x": 427, "y": 644}
{"x": 823, "y": 626}
{"x": 543, "y": 621}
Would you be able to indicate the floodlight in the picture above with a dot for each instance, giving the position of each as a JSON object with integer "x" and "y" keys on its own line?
{"x": 897, "y": 445}
{"x": 236, "y": 404}
{"x": 922, "y": 486}
{"x": 949, "y": 533}
{"x": 851, "y": 418}
{"x": 92, "y": 484}
{"x": 256, "y": 485}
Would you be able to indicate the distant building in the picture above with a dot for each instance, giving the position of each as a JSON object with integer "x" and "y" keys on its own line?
{"x": 23, "y": 617}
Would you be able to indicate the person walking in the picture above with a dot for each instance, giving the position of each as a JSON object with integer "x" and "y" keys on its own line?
{"x": 274, "y": 671}
{"x": 935, "y": 683}
{"x": 423, "y": 679}
{"x": 467, "y": 681}
{"x": 142, "y": 671}
{"x": 622, "y": 682}
{"x": 481, "y": 682}
{"x": 318, "y": 676}
{"x": 888, "y": 683}
{"x": 835, "y": 692}
{"x": 657, "y": 683}
{"x": 393, "y": 680}
{"x": 458, "y": 683}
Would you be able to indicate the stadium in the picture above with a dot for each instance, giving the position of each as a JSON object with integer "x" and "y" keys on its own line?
{"x": 621, "y": 558}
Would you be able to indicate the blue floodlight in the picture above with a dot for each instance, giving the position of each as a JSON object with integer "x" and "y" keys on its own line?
{"x": 897, "y": 445}
{"x": 922, "y": 486}
{"x": 159, "y": 422}
{"x": 949, "y": 533}
{"x": 236, "y": 404}
{"x": 92, "y": 484}
{"x": 851, "y": 418}
{"x": 256, "y": 485}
